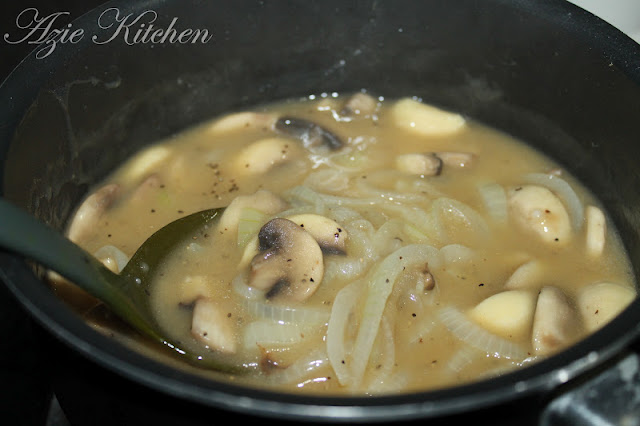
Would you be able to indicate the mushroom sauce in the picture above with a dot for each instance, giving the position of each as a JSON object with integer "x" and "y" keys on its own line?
{"x": 368, "y": 246}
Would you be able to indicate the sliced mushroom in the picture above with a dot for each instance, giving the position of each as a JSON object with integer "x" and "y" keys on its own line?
{"x": 91, "y": 210}
{"x": 431, "y": 163}
{"x": 214, "y": 326}
{"x": 555, "y": 323}
{"x": 419, "y": 164}
{"x": 599, "y": 303}
{"x": 359, "y": 103}
{"x": 310, "y": 133}
{"x": 596, "y": 231}
{"x": 290, "y": 263}
{"x": 539, "y": 211}
{"x": 263, "y": 200}
{"x": 425, "y": 120}
{"x": 328, "y": 233}
{"x": 193, "y": 288}
{"x": 261, "y": 156}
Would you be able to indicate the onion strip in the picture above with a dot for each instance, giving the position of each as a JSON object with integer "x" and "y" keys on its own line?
{"x": 301, "y": 368}
{"x": 380, "y": 286}
{"x": 286, "y": 314}
{"x": 494, "y": 198}
{"x": 343, "y": 305}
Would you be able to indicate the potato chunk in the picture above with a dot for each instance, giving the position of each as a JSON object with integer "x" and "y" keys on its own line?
{"x": 508, "y": 314}
{"x": 425, "y": 119}
{"x": 540, "y": 212}
{"x": 262, "y": 155}
{"x": 599, "y": 303}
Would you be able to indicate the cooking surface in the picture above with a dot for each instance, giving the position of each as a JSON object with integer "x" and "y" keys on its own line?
{"x": 25, "y": 398}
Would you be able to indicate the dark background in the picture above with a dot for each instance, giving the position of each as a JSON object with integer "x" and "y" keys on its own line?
{"x": 24, "y": 393}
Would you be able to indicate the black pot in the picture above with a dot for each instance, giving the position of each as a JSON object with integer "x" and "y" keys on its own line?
{"x": 546, "y": 72}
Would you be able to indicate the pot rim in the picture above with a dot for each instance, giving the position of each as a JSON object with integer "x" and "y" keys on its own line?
{"x": 538, "y": 378}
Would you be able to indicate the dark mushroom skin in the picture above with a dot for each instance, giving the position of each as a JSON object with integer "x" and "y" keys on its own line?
{"x": 308, "y": 132}
{"x": 290, "y": 262}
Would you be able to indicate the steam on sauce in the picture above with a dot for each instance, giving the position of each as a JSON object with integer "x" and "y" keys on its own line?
{"x": 367, "y": 247}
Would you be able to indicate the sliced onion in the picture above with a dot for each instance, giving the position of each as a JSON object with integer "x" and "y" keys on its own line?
{"x": 266, "y": 333}
{"x": 250, "y": 221}
{"x": 423, "y": 222}
{"x": 241, "y": 287}
{"x": 343, "y": 305}
{"x": 478, "y": 337}
{"x": 563, "y": 190}
{"x": 464, "y": 357}
{"x": 359, "y": 243}
{"x": 388, "y": 237}
{"x": 262, "y": 309}
{"x": 328, "y": 180}
{"x": 344, "y": 269}
{"x": 343, "y": 214}
{"x": 308, "y": 196}
{"x": 113, "y": 258}
{"x": 453, "y": 254}
{"x": 380, "y": 286}
{"x": 494, "y": 198}
{"x": 458, "y": 222}
{"x": 384, "y": 364}
{"x": 301, "y": 369}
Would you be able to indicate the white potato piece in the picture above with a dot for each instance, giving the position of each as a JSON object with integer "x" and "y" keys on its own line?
{"x": 527, "y": 276}
{"x": 213, "y": 326}
{"x": 425, "y": 119}
{"x": 556, "y": 322}
{"x": 596, "y": 231}
{"x": 261, "y": 156}
{"x": 540, "y": 212}
{"x": 145, "y": 162}
{"x": 599, "y": 303}
{"x": 508, "y": 314}
{"x": 241, "y": 121}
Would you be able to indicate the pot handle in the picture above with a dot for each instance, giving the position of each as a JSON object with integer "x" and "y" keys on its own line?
{"x": 610, "y": 397}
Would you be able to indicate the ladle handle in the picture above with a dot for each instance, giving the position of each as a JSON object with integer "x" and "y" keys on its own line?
{"x": 22, "y": 233}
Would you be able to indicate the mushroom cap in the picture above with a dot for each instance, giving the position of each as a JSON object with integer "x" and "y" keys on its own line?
{"x": 328, "y": 233}
{"x": 310, "y": 133}
{"x": 289, "y": 264}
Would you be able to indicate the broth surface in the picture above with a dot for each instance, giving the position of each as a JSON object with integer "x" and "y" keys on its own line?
{"x": 461, "y": 253}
